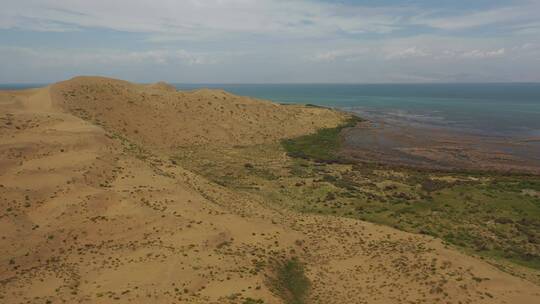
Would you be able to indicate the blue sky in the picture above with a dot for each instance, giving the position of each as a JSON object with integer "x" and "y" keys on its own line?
{"x": 260, "y": 41}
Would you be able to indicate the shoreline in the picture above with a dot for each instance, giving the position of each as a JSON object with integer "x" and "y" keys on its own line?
{"x": 435, "y": 148}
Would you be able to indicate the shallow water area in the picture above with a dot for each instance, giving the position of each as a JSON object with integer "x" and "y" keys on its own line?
{"x": 431, "y": 147}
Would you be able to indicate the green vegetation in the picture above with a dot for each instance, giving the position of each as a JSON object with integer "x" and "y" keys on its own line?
{"x": 492, "y": 215}
{"x": 321, "y": 146}
{"x": 290, "y": 282}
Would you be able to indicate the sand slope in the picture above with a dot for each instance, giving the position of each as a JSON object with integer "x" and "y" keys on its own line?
{"x": 93, "y": 211}
{"x": 158, "y": 116}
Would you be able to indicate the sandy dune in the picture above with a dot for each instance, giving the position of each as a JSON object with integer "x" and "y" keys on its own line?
{"x": 156, "y": 116}
{"x": 94, "y": 211}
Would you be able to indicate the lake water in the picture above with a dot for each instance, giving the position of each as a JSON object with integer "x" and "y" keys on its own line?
{"x": 508, "y": 109}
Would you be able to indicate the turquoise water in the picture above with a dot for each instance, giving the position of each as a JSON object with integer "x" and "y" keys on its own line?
{"x": 511, "y": 109}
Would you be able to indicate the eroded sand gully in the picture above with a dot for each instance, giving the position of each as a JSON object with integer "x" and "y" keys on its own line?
{"x": 92, "y": 211}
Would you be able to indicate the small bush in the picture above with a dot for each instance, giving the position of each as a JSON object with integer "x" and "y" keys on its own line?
{"x": 253, "y": 301}
{"x": 290, "y": 282}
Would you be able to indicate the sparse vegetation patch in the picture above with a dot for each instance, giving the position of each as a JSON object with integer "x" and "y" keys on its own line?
{"x": 321, "y": 146}
{"x": 289, "y": 281}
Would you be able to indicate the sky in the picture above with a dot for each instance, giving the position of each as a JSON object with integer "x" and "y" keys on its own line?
{"x": 271, "y": 41}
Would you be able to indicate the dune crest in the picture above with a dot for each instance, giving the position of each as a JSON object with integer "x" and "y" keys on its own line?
{"x": 94, "y": 211}
{"x": 163, "y": 86}
{"x": 185, "y": 118}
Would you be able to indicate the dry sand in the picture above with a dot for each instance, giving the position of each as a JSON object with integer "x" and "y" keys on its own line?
{"x": 93, "y": 210}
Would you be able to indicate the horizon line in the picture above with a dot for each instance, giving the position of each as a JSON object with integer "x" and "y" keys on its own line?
{"x": 294, "y": 83}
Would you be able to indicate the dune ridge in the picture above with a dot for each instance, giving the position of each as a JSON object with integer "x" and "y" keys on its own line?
{"x": 95, "y": 211}
{"x": 185, "y": 118}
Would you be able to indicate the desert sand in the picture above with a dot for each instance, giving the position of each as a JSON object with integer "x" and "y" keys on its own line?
{"x": 93, "y": 209}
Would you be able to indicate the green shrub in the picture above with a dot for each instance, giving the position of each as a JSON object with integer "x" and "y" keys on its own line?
{"x": 321, "y": 146}
{"x": 290, "y": 282}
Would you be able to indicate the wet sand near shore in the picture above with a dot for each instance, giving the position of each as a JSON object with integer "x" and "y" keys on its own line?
{"x": 438, "y": 148}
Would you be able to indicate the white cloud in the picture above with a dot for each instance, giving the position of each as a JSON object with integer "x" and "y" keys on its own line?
{"x": 528, "y": 46}
{"x": 344, "y": 54}
{"x": 513, "y": 13}
{"x": 410, "y": 52}
{"x": 172, "y": 20}
{"x": 395, "y": 52}
{"x": 483, "y": 54}
{"x": 43, "y": 58}
{"x": 198, "y": 19}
